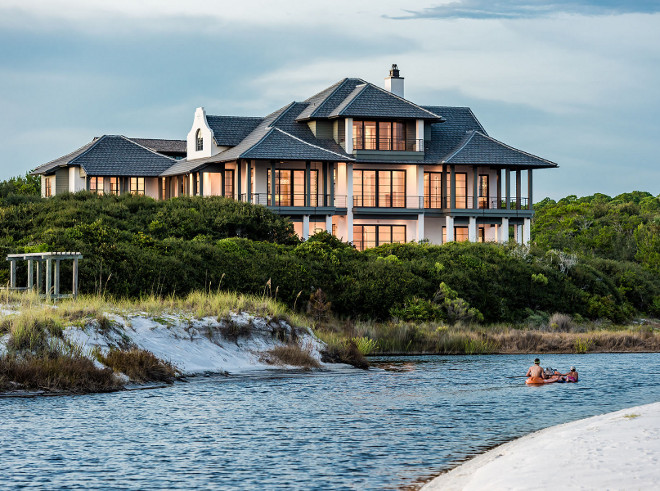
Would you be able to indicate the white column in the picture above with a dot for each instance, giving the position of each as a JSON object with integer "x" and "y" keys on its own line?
{"x": 518, "y": 232}
{"x": 419, "y": 136}
{"x": 449, "y": 224}
{"x": 348, "y": 135}
{"x": 504, "y": 231}
{"x": 349, "y": 202}
{"x": 472, "y": 229}
{"x": 305, "y": 231}
{"x": 328, "y": 224}
{"x": 527, "y": 233}
{"x": 420, "y": 227}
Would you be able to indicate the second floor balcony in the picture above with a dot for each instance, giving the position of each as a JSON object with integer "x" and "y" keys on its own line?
{"x": 388, "y": 144}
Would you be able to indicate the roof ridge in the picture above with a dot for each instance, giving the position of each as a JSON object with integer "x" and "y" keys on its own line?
{"x": 86, "y": 151}
{"x": 229, "y": 116}
{"x": 483, "y": 130}
{"x": 259, "y": 142}
{"x": 348, "y": 104}
{"x": 312, "y": 145}
{"x": 466, "y": 139}
{"x": 146, "y": 148}
{"x": 404, "y": 100}
{"x": 339, "y": 84}
{"x": 284, "y": 110}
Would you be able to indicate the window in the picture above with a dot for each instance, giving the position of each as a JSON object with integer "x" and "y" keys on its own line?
{"x": 368, "y": 236}
{"x": 379, "y": 188}
{"x": 460, "y": 234}
{"x": 48, "y": 187}
{"x": 433, "y": 190}
{"x": 114, "y": 185}
{"x": 483, "y": 191}
{"x": 200, "y": 141}
{"x": 229, "y": 183}
{"x": 290, "y": 187}
{"x": 137, "y": 185}
{"x": 461, "y": 189}
{"x": 381, "y": 135}
{"x": 96, "y": 185}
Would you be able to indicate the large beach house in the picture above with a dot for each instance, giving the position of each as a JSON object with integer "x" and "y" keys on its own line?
{"x": 357, "y": 160}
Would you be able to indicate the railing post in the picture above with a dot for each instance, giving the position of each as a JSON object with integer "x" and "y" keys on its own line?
{"x": 12, "y": 273}
{"x": 39, "y": 274}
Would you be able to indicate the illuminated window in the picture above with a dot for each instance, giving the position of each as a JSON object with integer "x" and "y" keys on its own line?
{"x": 379, "y": 189}
{"x": 433, "y": 190}
{"x": 290, "y": 187}
{"x": 461, "y": 189}
{"x": 200, "y": 141}
{"x": 368, "y": 236}
{"x": 137, "y": 185}
{"x": 229, "y": 183}
{"x": 96, "y": 185}
{"x": 483, "y": 191}
{"x": 114, "y": 185}
{"x": 382, "y": 135}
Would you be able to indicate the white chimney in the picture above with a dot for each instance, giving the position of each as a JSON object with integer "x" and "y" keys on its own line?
{"x": 394, "y": 83}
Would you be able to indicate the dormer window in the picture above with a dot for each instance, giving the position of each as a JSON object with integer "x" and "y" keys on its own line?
{"x": 200, "y": 141}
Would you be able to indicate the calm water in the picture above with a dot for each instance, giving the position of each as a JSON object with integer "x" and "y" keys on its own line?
{"x": 384, "y": 428}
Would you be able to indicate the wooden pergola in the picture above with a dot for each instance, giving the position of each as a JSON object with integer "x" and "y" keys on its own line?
{"x": 44, "y": 260}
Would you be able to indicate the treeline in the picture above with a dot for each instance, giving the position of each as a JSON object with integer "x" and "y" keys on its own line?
{"x": 134, "y": 245}
{"x": 623, "y": 228}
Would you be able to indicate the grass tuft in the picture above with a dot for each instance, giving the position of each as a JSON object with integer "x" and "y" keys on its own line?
{"x": 292, "y": 354}
{"x": 139, "y": 365}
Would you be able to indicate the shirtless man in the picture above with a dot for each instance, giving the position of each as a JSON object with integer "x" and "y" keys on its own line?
{"x": 571, "y": 376}
{"x": 535, "y": 370}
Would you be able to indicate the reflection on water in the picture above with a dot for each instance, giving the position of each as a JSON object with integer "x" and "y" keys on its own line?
{"x": 389, "y": 427}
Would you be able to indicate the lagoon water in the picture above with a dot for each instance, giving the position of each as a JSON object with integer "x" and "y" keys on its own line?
{"x": 390, "y": 427}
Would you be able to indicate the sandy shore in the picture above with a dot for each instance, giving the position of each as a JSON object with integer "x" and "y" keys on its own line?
{"x": 618, "y": 450}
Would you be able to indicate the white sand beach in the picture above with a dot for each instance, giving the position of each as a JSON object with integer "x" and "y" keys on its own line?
{"x": 619, "y": 450}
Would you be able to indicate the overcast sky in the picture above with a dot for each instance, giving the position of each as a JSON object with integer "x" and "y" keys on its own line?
{"x": 575, "y": 82}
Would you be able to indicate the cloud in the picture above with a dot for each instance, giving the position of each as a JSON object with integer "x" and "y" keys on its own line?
{"x": 514, "y": 9}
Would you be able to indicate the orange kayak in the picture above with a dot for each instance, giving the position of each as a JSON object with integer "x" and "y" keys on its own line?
{"x": 541, "y": 381}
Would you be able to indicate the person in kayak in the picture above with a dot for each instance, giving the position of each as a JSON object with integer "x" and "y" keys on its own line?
{"x": 535, "y": 370}
{"x": 571, "y": 376}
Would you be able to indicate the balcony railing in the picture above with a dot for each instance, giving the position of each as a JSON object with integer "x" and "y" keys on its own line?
{"x": 297, "y": 200}
{"x": 435, "y": 202}
{"x": 389, "y": 144}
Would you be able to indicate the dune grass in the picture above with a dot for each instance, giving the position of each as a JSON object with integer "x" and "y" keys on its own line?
{"x": 139, "y": 365}
{"x": 292, "y": 354}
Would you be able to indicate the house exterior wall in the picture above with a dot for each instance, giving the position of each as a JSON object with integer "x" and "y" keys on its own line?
{"x": 77, "y": 181}
{"x": 61, "y": 181}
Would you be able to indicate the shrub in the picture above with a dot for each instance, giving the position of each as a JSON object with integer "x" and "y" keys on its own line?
{"x": 365, "y": 345}
{"x": 292, "y": 354}
{"x": 561, "y": 322}
{"x": 417, "y": 309}
{"x": 139, "y": 365}
{"x": 345, "y": 353}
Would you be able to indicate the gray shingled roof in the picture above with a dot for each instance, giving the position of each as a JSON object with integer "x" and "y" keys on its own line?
{"x": 479, "y": 149}
{"x": 278, "y": 136}
{"x": 51, "y": 167}
{"x": 322, "y": 104}
{"x": 113, "y": 155}
{"x": 446, "y": 136}
{"x": 163, "y": 146}
{"x": 231, "y": 130}
{"x": 370, "y": 101}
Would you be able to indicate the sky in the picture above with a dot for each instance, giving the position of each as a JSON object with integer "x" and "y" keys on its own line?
{"x": 574, "y": 82}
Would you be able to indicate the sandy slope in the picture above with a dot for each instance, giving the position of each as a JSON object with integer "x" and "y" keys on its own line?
{"x": 619, "y": 450}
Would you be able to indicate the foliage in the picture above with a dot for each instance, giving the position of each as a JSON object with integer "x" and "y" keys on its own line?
{"x": 20, "y": 190}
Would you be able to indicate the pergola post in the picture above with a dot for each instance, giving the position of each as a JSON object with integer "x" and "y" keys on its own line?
{"x": 75, "y": 278}
{"x": 40, "y": 269}
{"x": 30, "y": 274}
{"x": 57, "y": 277}
{"x": 49, "y": 277}
{"x": 12, "y": 273}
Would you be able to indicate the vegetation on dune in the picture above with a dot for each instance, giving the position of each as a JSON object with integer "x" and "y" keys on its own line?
{"x": 135, "y": 247}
